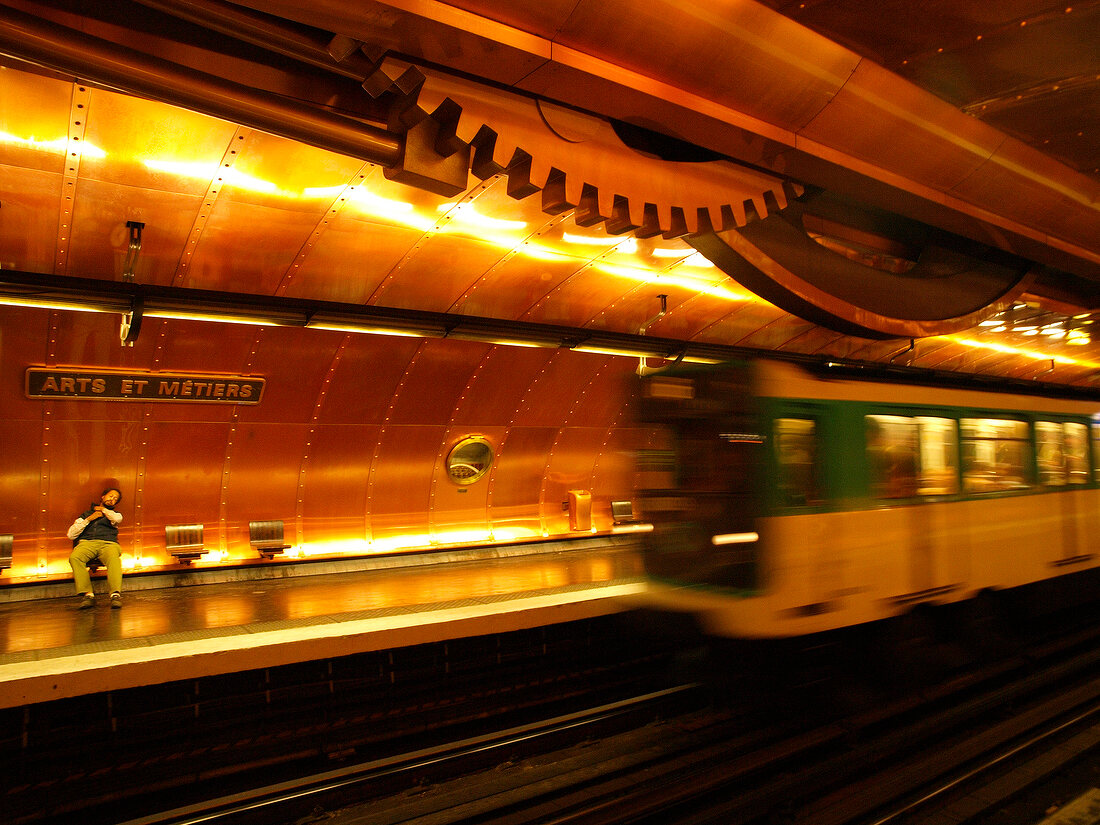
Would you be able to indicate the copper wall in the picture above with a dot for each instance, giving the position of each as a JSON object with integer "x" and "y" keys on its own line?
{"x": 347, "y": 445}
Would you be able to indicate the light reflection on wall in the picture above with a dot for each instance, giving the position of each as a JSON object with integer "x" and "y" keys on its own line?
{"x": 452, "y": 217}
{"x": 1026, "y": 353}
{"x": 56, "y": 146}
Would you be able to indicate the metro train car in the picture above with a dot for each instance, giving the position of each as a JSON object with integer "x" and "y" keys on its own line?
{"x": 788, "y": 500}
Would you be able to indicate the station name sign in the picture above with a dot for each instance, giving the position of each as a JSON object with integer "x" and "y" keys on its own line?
{"x": 104, "y": 385}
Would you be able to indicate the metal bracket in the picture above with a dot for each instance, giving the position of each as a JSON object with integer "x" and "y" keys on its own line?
{"x": 131, "y": 322}
{"x": 135, "y": 228}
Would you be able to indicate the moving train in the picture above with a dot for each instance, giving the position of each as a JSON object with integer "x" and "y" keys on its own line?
{"x": 788, "y": 500}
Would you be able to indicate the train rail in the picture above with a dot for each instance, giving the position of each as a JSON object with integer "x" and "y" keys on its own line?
{"x": 678, "y": 753}
{"x": 966, "y": 747}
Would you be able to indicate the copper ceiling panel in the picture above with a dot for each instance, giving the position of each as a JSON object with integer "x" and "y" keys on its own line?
{"x": 1015, "y": 172}
{"x": 273, "y": 171}
{"x": 878, "y": 119}
{"x": 28, "y": 230}
{"x": 436, "y": 273}
{"x": 146, "y": 145}
{"x": 720, "y": 50}
{"x": 779, "y": 334}
{"x": 577, "y": 299}
{"x": 349, "y": 261}
{"x": 1070, "y": 123}
{"x": 733, "y": 328}
{"x": 456, "y": 38}
{"x": 35, "y": 111}
{"x": 689, "y": 319}
{"x": 247, "y": 248}
{"x": 99, "y": 238}
{"x": 971, "y": 53}
{"x": 512, "y": 287}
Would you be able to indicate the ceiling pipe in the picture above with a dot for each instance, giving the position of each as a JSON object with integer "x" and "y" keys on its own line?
{"x": 263, "y": 31}
{"x": 66, "y": 50}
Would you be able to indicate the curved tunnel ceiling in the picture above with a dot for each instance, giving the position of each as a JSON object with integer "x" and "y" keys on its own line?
{"x": 290, "y": 222}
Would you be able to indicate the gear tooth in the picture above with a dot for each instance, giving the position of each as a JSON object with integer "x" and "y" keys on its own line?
{"x": 410, "y": 81}
{"x": 621, "y": 220}
{"x": 606, "y": 201}
{"x": 574, "y": 187}
{"x": 520, "y": 182}
{"x": 651, "y": 222}
{"x": 677, "y": 224}
{"x": 779, "y": 198}
{"x": 664, "y": 215}
{"x": 447, "y": 114}
{"x": 374, "y": 52}
{"x": 588, "y": 211}
{"x": 759, "y": 205}
{"x": 700, "y": 220}
{"x": 734, "y": 215}
{"x": 555, "y": 198}
{"x": 484, "y": 164}
{"x": 341, "y": 47}
{"x": 377, "y": 82}
{"x": 714, "y": 215}
{"x": 540, "y": 172}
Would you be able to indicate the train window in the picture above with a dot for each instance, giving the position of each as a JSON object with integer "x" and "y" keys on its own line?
{"x": 796, "y": 454}
{"x": 995, "y": 454}
{"x": 912, "y": 456}
{"x": 1077, "y": 453}
{"x": 939, "y": 456}
{"x": 1096, "y": 450}
{"x": 1060, "y": 452}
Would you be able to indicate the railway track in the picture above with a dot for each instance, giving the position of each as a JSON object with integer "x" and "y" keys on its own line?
{"x": 960, "y": 748}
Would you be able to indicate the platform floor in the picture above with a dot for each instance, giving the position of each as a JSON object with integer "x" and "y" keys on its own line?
{"x": 50, "y": 649}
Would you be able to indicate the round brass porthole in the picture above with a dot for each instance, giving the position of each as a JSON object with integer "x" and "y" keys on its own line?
{"x": 469, "y": 460}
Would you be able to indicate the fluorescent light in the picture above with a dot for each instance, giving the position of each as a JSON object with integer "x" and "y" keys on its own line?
{"x": 609, "y": 351}
{"x": 228, "y": 318}
{"x": 702, "y": 359}
{"x": 41, "y": 303}
{"x": 368, "y": 330}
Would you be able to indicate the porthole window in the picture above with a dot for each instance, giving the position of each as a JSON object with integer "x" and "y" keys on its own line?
{"x": 469, "y": 460}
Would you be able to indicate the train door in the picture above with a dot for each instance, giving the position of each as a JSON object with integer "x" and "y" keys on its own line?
{"x": 804, "y": 544}
{"x": 705, "y": 519}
